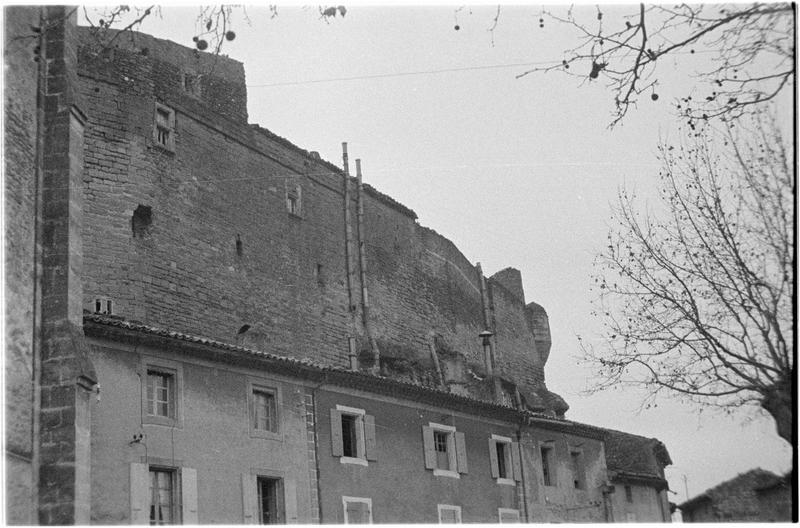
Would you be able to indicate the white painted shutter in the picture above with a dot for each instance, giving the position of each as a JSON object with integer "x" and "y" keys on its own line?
{"x": 493, "y": 458}
{"x": 337, "y": 444}
{"x": 369, "y": 436}
{"x": 516, "y": 462}
{"x": 249, "y": 499}
{"x": 189, "y": 496}
{"x": 140, "y": 494}
{"x": 291, "y": 502}
{"x": 461, "y": 452}
{"x": 430, "y": 453}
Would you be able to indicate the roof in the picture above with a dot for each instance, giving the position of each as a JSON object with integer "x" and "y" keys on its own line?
{"x": 756, "y": 479}
{"x": 636, "y": 458}
{"x": 118, "y": 329}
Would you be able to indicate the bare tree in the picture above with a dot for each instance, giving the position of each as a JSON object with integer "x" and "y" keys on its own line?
{"x": 750, "y": 49}
{"x": 696, "y": 296}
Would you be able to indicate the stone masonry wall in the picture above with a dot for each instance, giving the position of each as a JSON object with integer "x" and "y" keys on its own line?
{"x": 221, "y": 250}
{"x": 20, "y": 213}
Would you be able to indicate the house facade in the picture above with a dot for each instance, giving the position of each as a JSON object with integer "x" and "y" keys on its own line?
{"x": 209, "y": 324}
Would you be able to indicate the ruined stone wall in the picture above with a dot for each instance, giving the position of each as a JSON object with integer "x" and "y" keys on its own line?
{"x": 220, "y": 250}
{"x": 20, "y": 213}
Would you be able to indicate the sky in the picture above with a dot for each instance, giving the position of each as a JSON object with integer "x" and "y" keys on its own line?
{"x": 519, "y": 172}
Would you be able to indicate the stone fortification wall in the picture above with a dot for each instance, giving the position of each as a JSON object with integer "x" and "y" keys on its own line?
{"x": 198, "y": 238}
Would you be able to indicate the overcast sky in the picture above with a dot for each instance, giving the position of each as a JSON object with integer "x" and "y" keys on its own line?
{"x": 516, "y": 172}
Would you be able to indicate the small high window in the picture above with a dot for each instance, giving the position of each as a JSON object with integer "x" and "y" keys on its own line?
{"x": 449, "y": 514}
{"x": 628, "y": 494}
{"x": 547, "y": 475}
{"x": 293, "y": 199}
{"x": 164, "y": 129}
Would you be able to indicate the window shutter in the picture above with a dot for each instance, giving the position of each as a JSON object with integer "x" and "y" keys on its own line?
{"x": 291, "y": 501}
{"x": 369, "y": 437}
{"x": 461, "y": 452}
{"x": 140, "y": 494}
{"x": 493, "y": 458}
{"x": 249, "y": 499}
{"x": 337, "y": 447}
{"x": 516, "y": 461}
{"x": 189, "y": 496}
{"x": 430, "y": 454}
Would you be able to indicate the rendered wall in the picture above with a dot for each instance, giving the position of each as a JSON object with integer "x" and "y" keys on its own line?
{"x": 214, "y": 436}
{"x": 648, "y": 504}
{"x": 227, "y": 181}
{"x": 401, "y": 488}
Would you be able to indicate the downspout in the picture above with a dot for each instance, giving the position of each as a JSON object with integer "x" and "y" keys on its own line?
{"x": 348, "y": 240}
{"x": 522, "y": 476}
{"x": 316, "y": 442}
{"x": 362, "y": 265}
{"x": 487, "y": 355}
{"x": 36, "y": 358}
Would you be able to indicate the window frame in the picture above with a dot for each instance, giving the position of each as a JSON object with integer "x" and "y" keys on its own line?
{"x": 363, "y": 500}
{"x": 294, "y": 199}
{"x": 510, "y": 462}
{"x": 366, "y": 445}
{"x": 456, "y": 464}
{"x": 628, "y": 493}
{"x": 260, "y": 385}
{"x": 549, "y": 479}
{"x": 507, "y": 511}
{"x": 170, "y": 128}
{"x": 173, "y": 369}
{"x": 175, "y": 511}
{"x": 280, "y": 501}
{"x": 449, "y": 507}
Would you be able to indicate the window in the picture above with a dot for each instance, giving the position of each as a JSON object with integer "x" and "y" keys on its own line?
{"x": 161, "y": 392}
{"x": 103, "y": 305}
{"x": 576, "y": 461}
{"x": 445, "y": 450}
{"x": 269, "y": 504}
{"x": 265, "y": 412}
{"x": 508, "y": 515}
{"x": 164, "y": 129}
{"x": 547, "y": 462}
{"x": 628, "y": 494}
{"x": 293, "y": 199}
{"x": 505, "y": 460}
{"x": 449, "y": 514}
{"x": 353, "y": 435}
{"x": 162, "y": 496}
{"x": 357, "y": 510}
{"x": 191, "y": 84}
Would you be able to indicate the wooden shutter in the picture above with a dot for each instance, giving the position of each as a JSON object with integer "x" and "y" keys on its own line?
{"x": 140, "y": 494}
{"x": 189, "y": 496}
{"x": 249, "y": 499}
{"x": 461, "y": 452}
{"x": 516, "y": 461}
{"x": 430, "y": 453}
{"x": 370, "y": 448}
{"x": 337, "y": 445}
{"x": 291, "y": 502}
{"x": 493, "y": 458}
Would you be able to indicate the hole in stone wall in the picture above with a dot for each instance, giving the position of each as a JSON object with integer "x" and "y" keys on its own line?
{"x": 141, "y": 220}
{"x": 238, "y": 245}
{"x": 319, "y": 274}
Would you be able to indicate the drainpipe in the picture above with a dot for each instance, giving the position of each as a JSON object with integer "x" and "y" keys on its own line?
{"x": 488, "y": 342}
{"x": 348, "y": 237}
{"x": 362, "y": 265}
{"x": 522, "y": 476}
{"x": 36, "y": 358}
